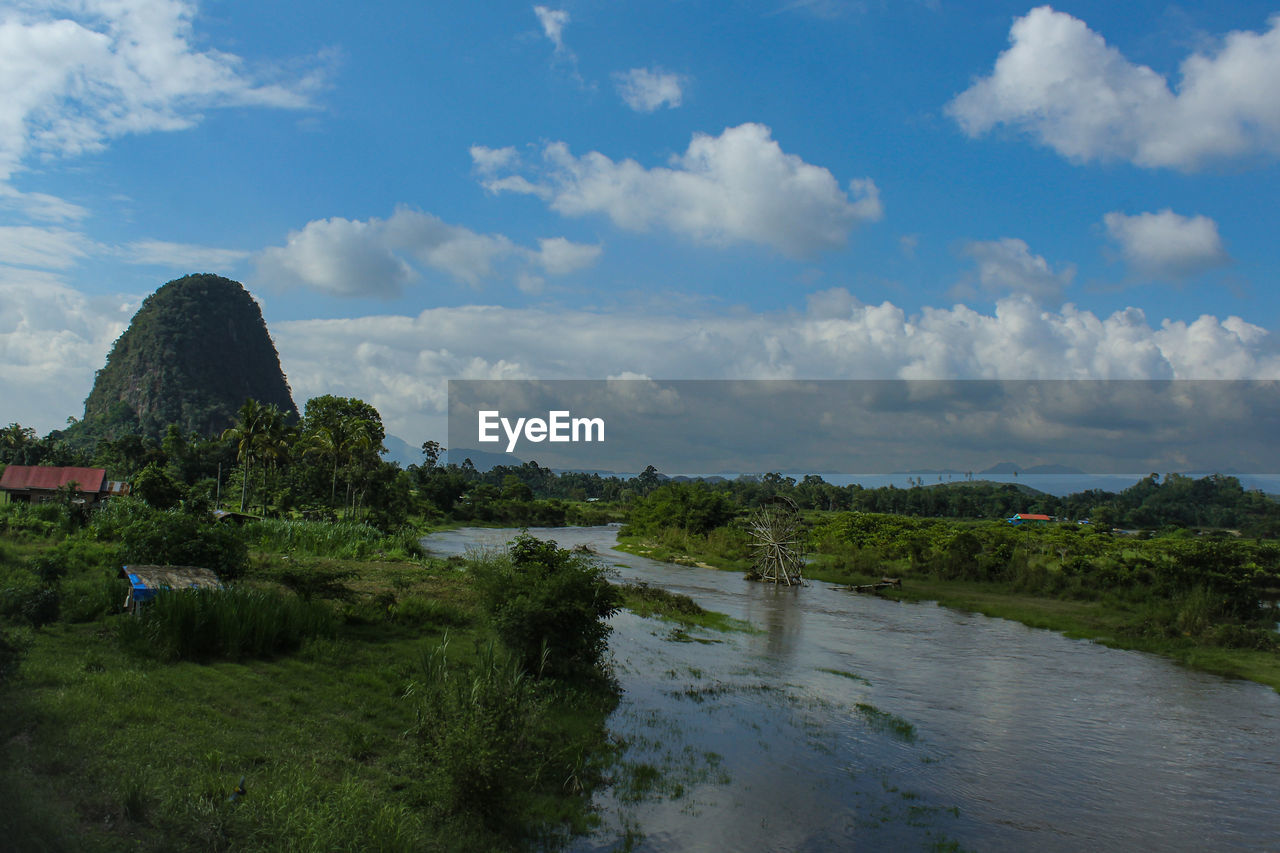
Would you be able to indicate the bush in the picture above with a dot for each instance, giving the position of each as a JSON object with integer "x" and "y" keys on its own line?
{"x": 231, "y": 624}
{"x": 156, "y": 487}
{"x": 10, "y": 656}
{"x": 86, "y": 599}
{"x": 113, "y": 516}
{"x": 549, "y": 606}
{"x": 33, "y": 605}
{"x": 173, "y": 538}
{"x": 690, "y": 506}
{"x": 29, "y": 521}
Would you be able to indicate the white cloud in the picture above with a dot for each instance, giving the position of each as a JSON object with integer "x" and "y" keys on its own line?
{"x": 78, "y": 74}
{"x": 52, "y": 339}
{"x": 553, "y": 23}
{"x": 341, "y": 257}
{"x": 1063, "y": 84}
{"x": 401, "y": 364}
{"x": 736, "y": 187}
{"x": 181, "y": 255}
{"x": 379, "y": 257}
{"x": 42, "y": 206}
{"x": 490, "y": 160}
{"x": 647, "y": 89}
{"x": 1006, "y": 266}
{"x": 559, "y": 256}
{"x": 48, "y": 248}
{"x": 1166, "y": 244}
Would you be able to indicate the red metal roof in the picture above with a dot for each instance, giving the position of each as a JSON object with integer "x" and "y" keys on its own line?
{"x": 48, "y": 477}
{"x": 1032, "y": 516}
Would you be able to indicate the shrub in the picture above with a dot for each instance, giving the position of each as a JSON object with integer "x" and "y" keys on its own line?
{"x": 34, "y": 605}
{"x": 690, "y": 506}
{"x": 174, "y": 538}
{"x": 87, "y": 599}
{"x": 549, "y": 606}
{"x": 10, "y": 656}
{"x": 113, "y": 516}
{"x": 156, "y": 487}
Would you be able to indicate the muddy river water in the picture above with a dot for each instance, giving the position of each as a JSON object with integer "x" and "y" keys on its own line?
{"x": 844, "y": 721}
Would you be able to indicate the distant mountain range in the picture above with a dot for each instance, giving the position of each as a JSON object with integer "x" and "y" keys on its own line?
{"x": 1004, "y": 469}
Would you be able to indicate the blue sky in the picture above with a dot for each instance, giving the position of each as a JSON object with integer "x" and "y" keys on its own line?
{"x": 669, "y": 189}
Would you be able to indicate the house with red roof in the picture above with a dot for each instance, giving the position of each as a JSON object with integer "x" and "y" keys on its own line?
{"x": 1029, "y": 518}
{"x": 40, "y": 483}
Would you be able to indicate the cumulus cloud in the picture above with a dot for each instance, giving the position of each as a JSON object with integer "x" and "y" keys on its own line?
{"x": 1166, "y": 244}
{"x": 647, "y": 89}
{"x": 1061, "y": 83}
{"x": 559, "y": 256}
{"x": 52, "y": 339}
{"x": 738, "y": 187}
{"x": 78, "y": 74}
{"x": 401, "y": 364}
{"x": 378, "y": 257}
{"x": 1006, "y": 266}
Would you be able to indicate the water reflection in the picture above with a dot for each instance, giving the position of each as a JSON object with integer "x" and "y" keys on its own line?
{"x": 1037, "y": 741}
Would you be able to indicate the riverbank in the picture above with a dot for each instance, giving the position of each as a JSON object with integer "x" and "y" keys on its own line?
{"x": 1109, "y": 620}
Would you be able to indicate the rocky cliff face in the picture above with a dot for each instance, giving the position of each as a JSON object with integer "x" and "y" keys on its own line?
{"x": 195, "y": 351}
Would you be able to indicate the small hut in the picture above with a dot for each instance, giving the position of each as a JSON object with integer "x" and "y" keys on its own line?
{"x": 146, "y": 581}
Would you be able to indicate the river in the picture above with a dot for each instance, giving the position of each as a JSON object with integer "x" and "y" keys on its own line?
{"x": 848, "y": 721}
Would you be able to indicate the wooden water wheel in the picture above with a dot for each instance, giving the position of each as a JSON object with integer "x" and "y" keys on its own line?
{"x": 777, "y": 543}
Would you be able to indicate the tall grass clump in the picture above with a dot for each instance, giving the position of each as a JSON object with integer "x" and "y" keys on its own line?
{"x": 344, "y": 540}
{"x": 227, "y": 624}
{"x": 491, "y": 755}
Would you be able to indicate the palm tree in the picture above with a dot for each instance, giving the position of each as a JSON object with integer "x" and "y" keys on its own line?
{"x": 247, "y": 432}
{"x": 273, "y": 444}
{"x": 13, "y": 439}
{"x": 341, "y": 438}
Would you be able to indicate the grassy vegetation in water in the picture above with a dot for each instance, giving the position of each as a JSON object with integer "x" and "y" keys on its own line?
{"x": 649, "y": 601}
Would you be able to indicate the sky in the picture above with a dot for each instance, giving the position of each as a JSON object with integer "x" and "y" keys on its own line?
{"x": 816, "y": 189}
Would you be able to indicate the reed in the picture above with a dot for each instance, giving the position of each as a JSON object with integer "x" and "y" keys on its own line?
{"x": 230, "y": 624}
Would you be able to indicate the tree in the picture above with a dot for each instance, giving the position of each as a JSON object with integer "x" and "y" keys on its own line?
{"x": 431, "y": 451}
{"x": 344, "y": 429}
{"x": 14, "y": 440}
{"x": 156, "y": 487}
{"x": 251, "y": 424}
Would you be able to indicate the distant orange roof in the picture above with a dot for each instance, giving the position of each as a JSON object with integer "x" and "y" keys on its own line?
{"x": 49, "y": 477}
{"x": 1032, "y": 516}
